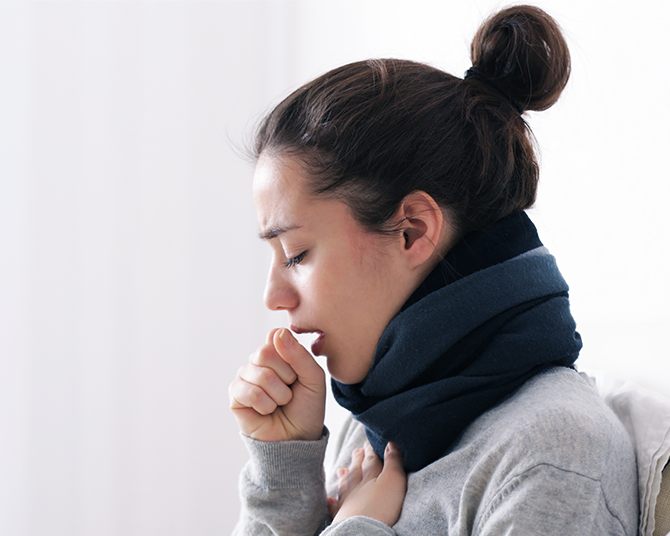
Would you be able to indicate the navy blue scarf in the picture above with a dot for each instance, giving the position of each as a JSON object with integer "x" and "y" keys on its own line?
{"x": 492, "y": 314}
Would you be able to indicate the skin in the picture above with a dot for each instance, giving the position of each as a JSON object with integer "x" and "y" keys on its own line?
{"x": 335, "y": 278}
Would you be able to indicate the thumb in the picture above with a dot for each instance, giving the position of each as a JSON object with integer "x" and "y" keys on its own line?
{"x": 393, "y": 464}
{"x": 310, "y": 374}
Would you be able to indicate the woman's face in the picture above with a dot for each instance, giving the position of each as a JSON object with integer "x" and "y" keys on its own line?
{"x": 331, "y": 276}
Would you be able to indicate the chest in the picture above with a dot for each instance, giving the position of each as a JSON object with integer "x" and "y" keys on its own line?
{"x": 444, "y": 498}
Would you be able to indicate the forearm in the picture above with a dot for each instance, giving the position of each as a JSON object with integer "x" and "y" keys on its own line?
{"x": 282, "y": 489}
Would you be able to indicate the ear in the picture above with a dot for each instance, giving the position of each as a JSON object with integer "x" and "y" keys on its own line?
{"x": 426, "y": 232}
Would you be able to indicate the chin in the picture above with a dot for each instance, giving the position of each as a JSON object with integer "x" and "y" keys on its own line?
{"x": 334, "y": 373}
{"x": 343, "y": 376}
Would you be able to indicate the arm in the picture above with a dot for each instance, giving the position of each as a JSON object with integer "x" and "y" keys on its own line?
{"x": 278, "y": 399}
{"x": 282, "y": 489}
{"x": 279, "y": 402}
{"x": 551, "y": 501}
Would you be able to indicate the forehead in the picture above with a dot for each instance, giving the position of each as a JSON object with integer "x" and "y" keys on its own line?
{"x": 278, "y": 189}
{"x": 283, "y": 201}
{"x": 278, "y": 175}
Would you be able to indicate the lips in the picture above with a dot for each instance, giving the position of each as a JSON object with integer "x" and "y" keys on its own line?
{"x": 317, "y": 345}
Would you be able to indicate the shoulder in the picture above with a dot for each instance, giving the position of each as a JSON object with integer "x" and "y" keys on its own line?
{"x": 555, "y": 439}
{"x": 557, "y": 417}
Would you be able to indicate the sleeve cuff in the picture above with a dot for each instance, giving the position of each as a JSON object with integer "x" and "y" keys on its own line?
{"x": 286, "y": 464}
{"x": 359, "y": 525}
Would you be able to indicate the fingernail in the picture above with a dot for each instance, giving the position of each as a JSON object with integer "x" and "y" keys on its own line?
{"x": 286, "y": 338}
{"x": 391, "y": 448}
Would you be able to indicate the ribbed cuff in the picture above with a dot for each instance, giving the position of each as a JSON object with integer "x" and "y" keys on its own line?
{"x": 286, "y": 464}
{"x": 359, "y": 525}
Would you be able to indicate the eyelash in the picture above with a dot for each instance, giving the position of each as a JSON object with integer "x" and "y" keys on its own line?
{"x": 295, "y": 260}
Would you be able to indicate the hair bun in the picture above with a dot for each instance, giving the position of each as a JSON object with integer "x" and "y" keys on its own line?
{"x": 522, "y": 49}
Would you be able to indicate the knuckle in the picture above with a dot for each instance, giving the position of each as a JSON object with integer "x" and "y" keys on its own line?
{"x": 263, "y": 355}
{"x": 238, "y": 385}
{"x": 233, "y": 387}
{"x": 236, "y": 396}
{"x": 232, "y": 402}
{"x": 260, "y": 401}
{"x": 255, "y": 394}
{"x": 254, "y": 356}
{"x": 265, "y": 374}
{"x": 285, "y": 397}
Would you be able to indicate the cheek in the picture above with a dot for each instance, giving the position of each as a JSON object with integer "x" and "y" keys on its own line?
{"x": 320, "y": 286}
{"x": 375, "y": 253}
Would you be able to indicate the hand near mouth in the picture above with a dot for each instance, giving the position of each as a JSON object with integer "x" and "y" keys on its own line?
{"x": 280, "y": 395}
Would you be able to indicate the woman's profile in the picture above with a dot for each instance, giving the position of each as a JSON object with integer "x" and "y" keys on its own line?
{"x": 393, "y": 197}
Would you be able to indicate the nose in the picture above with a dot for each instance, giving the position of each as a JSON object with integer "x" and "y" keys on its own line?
{"x": 280, "y": 294}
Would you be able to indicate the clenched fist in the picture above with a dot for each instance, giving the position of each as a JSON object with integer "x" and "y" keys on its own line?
{"x": 280, "y": 395}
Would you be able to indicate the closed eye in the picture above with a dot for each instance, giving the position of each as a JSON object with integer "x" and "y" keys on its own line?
{"x": 295, "y": 260}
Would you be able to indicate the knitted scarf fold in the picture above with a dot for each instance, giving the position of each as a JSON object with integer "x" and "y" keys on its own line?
{"x": 491, "y": 315}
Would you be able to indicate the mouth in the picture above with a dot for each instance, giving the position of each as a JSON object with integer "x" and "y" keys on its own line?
{"x": 317, "y": 345}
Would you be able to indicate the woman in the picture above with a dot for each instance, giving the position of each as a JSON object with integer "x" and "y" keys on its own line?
{"x": 392, "y": 196}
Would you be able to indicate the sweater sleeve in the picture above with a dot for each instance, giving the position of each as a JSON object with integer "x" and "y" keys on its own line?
{"x": 282, "y": 489}
{"x": 551, "y": 501}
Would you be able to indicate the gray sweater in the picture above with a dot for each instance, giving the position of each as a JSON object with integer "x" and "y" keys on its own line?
{"x": 551, "y": 459}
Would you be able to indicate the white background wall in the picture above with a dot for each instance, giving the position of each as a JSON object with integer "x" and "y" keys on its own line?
{"x": 130, "y": 275}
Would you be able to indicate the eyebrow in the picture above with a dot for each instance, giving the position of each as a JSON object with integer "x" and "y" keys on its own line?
{"x": 274, "y": 232}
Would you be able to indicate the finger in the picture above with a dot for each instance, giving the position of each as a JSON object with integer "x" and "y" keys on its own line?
{"x": 310, "y": 374}
{"x": 393, "y": 471}
{"x": 355, "y": 473}
{"x": 372, "y": 465}
{"x": 342, "y": 489}
{"x": 267, "y": 356}
{"x": 271, "y": 335}
{"x": 268, "y": 380}
{"x": 333, "y": 506}
{"x": 244, "y": 395}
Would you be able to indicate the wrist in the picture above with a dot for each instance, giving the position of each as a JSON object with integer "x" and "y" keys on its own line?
{"x": 286, "y": 464}
{"x": 360, "y": 525}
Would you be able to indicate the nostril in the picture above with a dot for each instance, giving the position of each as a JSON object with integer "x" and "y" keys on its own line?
{"x": 280, "y": 298}
{"x": 280, "y": 293}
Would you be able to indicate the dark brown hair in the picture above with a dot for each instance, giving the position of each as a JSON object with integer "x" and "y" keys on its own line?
{"x": 372, "y": 132}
